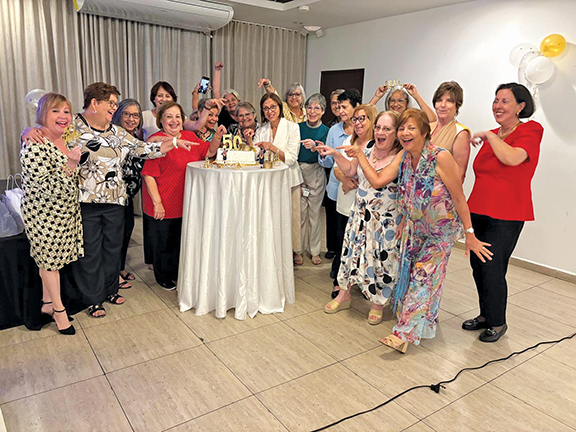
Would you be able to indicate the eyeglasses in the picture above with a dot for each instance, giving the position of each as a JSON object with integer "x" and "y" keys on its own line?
{"x": 385, "y": 129}
{"x": 359, "y": 119}
{"x": 398, "y": 100}
{"x": 270, "y": 108}
{"x": 314, "y": 108}
{"x": 127, "y": 115}
{"x": 111, "y": 103}
{"x": 293, "y": 95}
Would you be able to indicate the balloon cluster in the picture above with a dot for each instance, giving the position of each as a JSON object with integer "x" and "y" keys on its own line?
{"x": 534, "y": 66}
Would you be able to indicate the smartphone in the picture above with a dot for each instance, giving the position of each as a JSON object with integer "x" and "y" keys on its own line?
{"x": 204, "y": 83}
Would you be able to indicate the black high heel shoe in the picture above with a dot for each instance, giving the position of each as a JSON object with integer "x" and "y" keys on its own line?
{"x": 69, "y": 330}
{"x": 49, "y": 316}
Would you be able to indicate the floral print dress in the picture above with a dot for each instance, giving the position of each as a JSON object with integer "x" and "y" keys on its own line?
{"x": 429, "y": 228}
{"x": 369, "y": 252}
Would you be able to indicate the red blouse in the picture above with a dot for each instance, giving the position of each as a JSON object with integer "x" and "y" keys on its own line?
{"x": 170, "y": 175}
{"x": 502, "y": 191}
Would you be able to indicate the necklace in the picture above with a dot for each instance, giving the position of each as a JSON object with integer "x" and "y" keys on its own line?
{"x": 376, "y": 157}
{"x": 503, "y": 135}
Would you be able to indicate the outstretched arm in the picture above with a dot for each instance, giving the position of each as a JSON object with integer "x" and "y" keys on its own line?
{"x": 413, "y": 91}
{"x": 380, "y": 178}
{"x": 217, "y": 80}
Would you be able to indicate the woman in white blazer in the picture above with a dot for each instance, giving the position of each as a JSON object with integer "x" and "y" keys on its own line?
{"x": 282, "y": 137}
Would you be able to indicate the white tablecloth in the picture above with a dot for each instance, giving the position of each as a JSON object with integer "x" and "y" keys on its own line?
{"x": 236, "y": 249}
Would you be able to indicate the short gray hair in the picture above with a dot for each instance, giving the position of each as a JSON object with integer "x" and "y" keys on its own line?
{"x": 394, "y": 90}
{"x": 317, "y": 98}
{"x": 247, "y": 106}
{"x": 291, "y": 88}
{"x": 232, "y": 92}
{"x": 336, "y": 92}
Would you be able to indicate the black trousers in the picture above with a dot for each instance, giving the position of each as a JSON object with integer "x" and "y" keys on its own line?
{"x": 341, "y": 222}
{"x": 128, "y": 228}
{"x": 331, "y": 221}
{"x": 490, "y": 277}
{"x": 146, "y": 240}
{"x": 165, "y": 238}
{"x": 96, "y": 274}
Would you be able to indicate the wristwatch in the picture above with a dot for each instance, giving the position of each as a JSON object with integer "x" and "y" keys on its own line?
{"x": 469, "y": 230}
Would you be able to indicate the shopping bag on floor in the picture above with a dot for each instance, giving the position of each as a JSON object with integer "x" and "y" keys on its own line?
{"x": 8, "y": 225}
{"x": 14, "y": 195}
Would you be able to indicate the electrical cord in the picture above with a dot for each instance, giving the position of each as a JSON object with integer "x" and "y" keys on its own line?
{"x": 436, "y": 387}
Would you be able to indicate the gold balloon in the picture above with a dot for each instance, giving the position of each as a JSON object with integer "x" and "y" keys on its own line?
{"x": 553, "y": 45}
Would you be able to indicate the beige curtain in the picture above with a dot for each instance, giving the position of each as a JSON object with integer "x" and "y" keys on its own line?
{"x": 253, "y": 51}
{"x": 46, "y": 44}
{"x": 38, "y": 45}
{"x": 134, "y": 56}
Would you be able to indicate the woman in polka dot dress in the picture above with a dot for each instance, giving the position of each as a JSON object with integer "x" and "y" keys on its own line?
{"x": 369, "y": 253}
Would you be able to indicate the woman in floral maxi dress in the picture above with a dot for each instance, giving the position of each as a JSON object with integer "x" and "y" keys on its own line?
{"x": 433, "y": 209}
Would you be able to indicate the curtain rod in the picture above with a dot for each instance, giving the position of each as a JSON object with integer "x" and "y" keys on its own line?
{"x": 265, "y": 25}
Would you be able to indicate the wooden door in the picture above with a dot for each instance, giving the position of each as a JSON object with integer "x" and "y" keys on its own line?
{"x": 344, "y": 79}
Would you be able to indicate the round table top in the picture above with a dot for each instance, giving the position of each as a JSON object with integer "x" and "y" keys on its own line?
{"x": 200, "y": 166}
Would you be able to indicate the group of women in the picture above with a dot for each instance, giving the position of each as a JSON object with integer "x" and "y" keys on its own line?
{"x": 409, "y": 207}
{"x": 394, "y": 204}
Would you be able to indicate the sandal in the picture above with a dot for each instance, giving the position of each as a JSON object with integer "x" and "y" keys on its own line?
{"x": 127, "y": 276}
{"x": 375, "y": 316}
{"x": 124, "y": 285}
{"x": 395, "y": 342}
{"x": 96, "y": 308}
{"x": 316, "y": 260}
{"x": 298, "y": 260}
{"x": 115, "y": 299}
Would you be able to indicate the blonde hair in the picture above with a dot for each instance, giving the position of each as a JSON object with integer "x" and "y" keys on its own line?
{"x": 47, "y": 102}
{"x": 371, "y": 113}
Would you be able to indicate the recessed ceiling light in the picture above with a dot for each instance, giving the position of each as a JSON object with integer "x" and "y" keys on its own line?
{"x": 312, "y": 28}
{"x": 303, "y": 8}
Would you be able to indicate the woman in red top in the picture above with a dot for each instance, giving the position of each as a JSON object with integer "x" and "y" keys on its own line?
{"x": 501, "y": 200}
{"x": 163, "y": 195}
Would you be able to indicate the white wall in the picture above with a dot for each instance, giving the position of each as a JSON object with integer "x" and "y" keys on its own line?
{"x": 470, "y": 43}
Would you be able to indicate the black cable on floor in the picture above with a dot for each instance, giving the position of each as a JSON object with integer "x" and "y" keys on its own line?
{"x": 436, "y": 387}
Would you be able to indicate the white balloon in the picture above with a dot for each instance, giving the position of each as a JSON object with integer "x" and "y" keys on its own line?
{"x": 520, "y": 51}
{"x": 539, "y": 70}
{"x": 32, "y": 98}
{"x": 527, "y": 58}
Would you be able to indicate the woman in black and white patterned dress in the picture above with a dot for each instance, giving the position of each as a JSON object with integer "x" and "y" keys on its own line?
{"x": 50, "y": 207}
{"x": 102, "y": 193}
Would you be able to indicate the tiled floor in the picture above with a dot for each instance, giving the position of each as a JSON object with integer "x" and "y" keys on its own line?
{"x": 148, "y": 367}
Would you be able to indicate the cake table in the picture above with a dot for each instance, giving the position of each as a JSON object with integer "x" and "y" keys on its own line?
{"x": 236, "y": 249}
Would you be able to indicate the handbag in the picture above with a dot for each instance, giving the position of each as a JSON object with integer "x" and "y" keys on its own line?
{"x": 14, "y": 195}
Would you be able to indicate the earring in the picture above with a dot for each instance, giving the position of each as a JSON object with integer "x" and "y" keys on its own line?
{"x": 94, "y": 112}
{"x": 518, "y": 113}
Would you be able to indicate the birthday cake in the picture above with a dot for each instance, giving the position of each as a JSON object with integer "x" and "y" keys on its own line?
{"x": 236, "y": 156}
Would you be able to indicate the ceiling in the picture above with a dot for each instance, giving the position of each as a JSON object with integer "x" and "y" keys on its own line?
{"x": 326, "y": 13}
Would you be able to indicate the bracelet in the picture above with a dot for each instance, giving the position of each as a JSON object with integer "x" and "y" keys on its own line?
{"x": 267, "y": 85}
{"x": 277, "y": 151}
{"x": 364, "y": 167}
{"x": 175, "y": 142}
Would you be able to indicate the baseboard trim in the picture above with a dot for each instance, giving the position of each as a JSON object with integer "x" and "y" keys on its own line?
{"x": 540, "y": 268}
